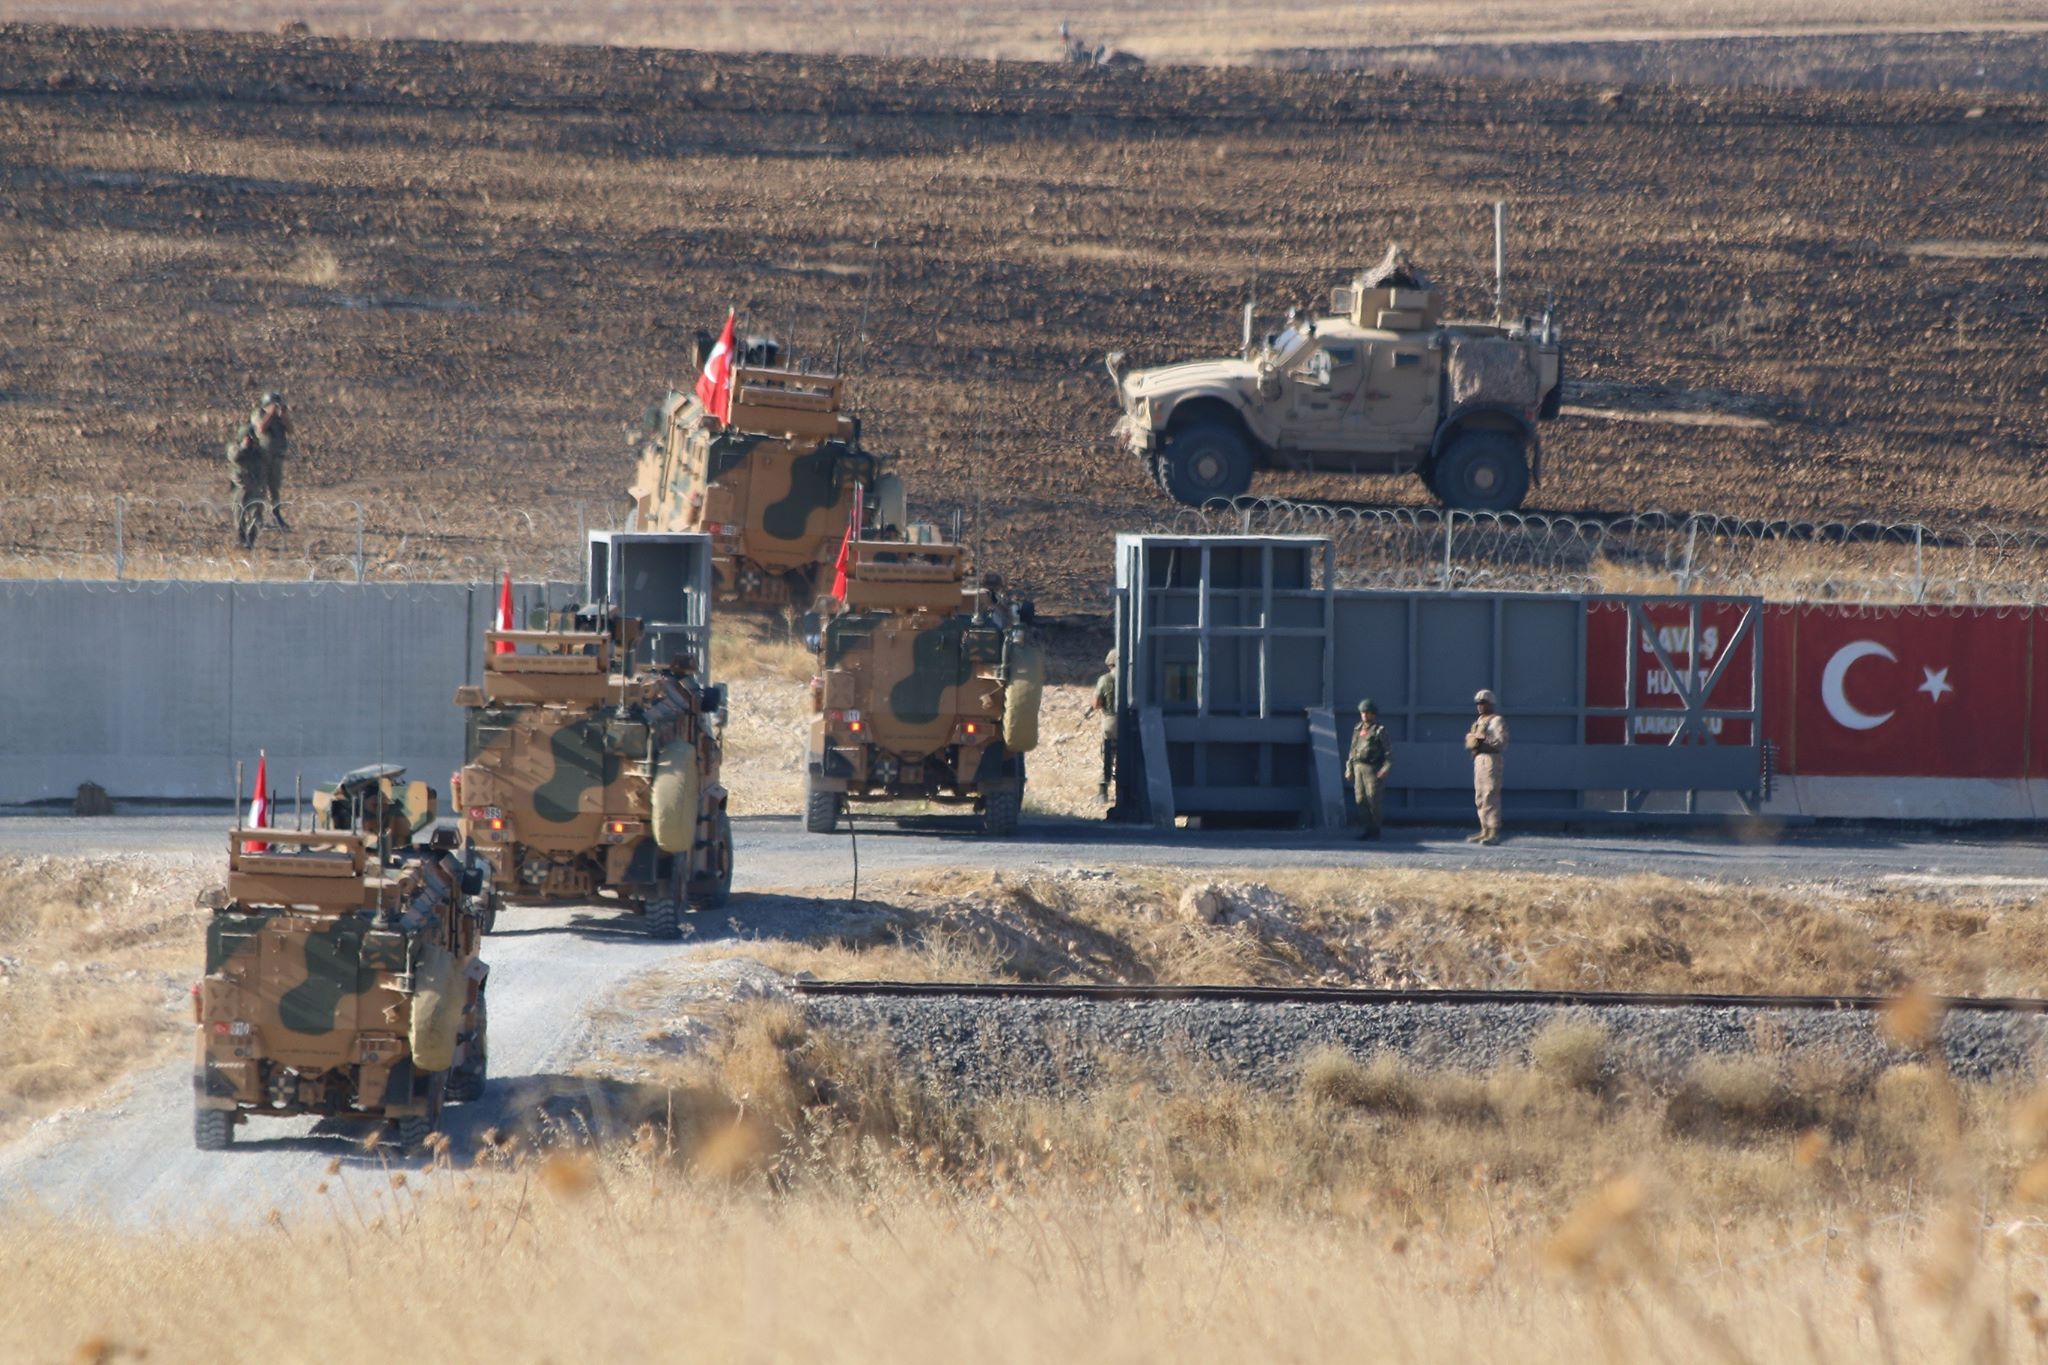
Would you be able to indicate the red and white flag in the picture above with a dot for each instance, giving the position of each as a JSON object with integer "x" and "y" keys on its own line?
{"x": 846, "y": 543}
{"x": 259, "y": 805}
{"x": 714, "y": 385}
{"x": 503, "y": 620}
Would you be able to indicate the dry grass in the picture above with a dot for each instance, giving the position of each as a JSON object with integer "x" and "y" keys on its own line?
{"x": 95, "y": 956}
{"x": 794, "y": 1197}
{"x": 1435, "y": 929}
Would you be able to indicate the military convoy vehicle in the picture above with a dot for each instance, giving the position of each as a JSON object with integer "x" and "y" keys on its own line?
{"x": 774, "y": 487}
{"x": 927, "y": 689}
{"x": 342, "y": 973}
{"x": 589, "y": 775}
{"x": 1382, "y": 386}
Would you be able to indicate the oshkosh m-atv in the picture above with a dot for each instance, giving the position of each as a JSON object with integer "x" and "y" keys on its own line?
{"x": 1381, "y": 386}
{"x": 927, "y": 690}
{"x": 342, "y": 971}
{"x": 589, "y": 777}
{"x": 774, "y": 487}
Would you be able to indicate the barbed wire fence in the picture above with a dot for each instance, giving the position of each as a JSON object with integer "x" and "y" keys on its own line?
{"x": 121, "y": 538}
{"x": 1848, "y": 562}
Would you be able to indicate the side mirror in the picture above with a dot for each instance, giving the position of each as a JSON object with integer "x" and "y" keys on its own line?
{"x": 714, "y": 698}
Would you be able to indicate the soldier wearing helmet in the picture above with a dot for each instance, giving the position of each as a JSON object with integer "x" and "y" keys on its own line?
{"x": 273, "y": 430}
{"x": 1487, "y": 742}
{"x": 1105, "y": 706}
{"x": 1367, "y": 765}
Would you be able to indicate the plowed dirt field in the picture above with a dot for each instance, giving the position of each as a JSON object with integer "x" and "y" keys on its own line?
{"x": 471, "y": 267}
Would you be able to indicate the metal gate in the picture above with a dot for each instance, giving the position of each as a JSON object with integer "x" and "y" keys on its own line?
{"x": 1240, "y": 667}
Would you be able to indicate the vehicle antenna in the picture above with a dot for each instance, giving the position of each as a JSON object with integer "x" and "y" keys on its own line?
{"x": 1500, "y": 259}
{"x": 235, "y": 820}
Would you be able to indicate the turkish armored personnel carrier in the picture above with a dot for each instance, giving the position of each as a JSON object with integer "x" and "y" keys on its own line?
{"x": 342, "y": 979}
{"x": 589, "y": 776}
{"x": 774, "y": 487}
{"x": 1382, "y": 385}
{"x": 927, "y": 690}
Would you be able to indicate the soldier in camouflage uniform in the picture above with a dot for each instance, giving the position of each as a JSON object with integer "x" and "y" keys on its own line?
{"x": 1105, "y": 706}
{"x": 273, "y": 430}
{"x": 1371, "y": 758}
{"x": 246, "y": 461}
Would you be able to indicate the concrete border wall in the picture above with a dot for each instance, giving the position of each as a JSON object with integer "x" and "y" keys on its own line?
{"x": 157, "y": 689}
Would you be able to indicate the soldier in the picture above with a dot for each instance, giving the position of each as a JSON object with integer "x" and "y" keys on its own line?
{"x": 245, "y": 460}
{"x": 1370, "y": 760}
{"x": 1105, "y": 703}
{"x": 1487, "y": 741}
{"x": 274, "y": 433}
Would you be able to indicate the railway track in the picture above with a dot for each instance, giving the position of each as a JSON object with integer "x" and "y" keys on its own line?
{"x": 1333, "y": 995}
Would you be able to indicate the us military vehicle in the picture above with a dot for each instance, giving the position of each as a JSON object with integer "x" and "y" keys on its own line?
{"x": 591, "y": 776}
{"x": 927, "y": 689}
{"x": 774, "y": 487}
{"x": 1381, "y": 386}
{"x": 342, "y": 974}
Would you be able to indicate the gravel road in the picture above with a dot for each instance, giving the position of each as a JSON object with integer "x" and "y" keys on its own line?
{"x": 133, "y": 1159}
{"x": 986, "y": 1046}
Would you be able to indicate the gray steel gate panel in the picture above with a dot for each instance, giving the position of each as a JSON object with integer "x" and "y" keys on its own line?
{"x": 1231, "y": 644}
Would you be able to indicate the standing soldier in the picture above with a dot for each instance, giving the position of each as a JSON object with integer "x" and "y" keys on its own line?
{"x": 245, "y": 460}
{"x": 1105, "y": 703}
{"x": 1370, "y": 760}
{"x": 1487, "y": 741}
{"x": 274, "y": 433}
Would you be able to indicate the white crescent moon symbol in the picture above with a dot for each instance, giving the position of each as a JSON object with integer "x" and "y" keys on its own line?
{"x": 1837, "y": 672}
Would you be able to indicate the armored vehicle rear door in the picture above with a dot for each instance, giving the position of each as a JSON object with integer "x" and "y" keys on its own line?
{"x": 1396, "y": 410}
{"x": 310, "y": 984}
{"x": 1322, "y": 386}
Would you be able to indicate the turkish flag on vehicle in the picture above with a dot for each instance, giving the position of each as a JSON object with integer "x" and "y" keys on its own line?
{"x": 1903, "y": 692}
{"x": 714, "y": 385}
{"x": 259, "y": 805}
{"x": 846, "y": 542}
{"x": 503, "y": 620}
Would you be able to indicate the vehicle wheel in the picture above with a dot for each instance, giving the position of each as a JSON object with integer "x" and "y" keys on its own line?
{"x": 1206, "y": 461}
{"x": 466, "y": 1082}
{"x": 999, "y": 812}
{"x": 413, "y": 1130}
{"x": 213, "y": 1130}
{"x": 821, "y": 810}
{"x": 1483, "y": 471}
{"x": 488, "y": 919}
{"x": 713, "y": 892}
{"x": 664, "y": 918}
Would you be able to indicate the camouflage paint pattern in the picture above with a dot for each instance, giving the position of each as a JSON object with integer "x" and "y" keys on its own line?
{"x": 557, "y": 795}
{"x": 909, "y": 696}
{"x": 306, "y": 1004}
{"x": 775, "y": 490}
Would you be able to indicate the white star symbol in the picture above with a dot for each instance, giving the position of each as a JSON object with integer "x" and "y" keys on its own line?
{"x": 1937, "y": 683}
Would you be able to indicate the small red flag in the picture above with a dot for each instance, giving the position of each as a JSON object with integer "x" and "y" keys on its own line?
{"x": 504, "y": 617}
{"x": 259, "y": 805}
{"x": 714, "y": 385}
{"x": 846, "y": 543}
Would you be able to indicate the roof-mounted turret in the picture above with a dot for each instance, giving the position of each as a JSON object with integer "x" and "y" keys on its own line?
{"x": 1393, "y": 296}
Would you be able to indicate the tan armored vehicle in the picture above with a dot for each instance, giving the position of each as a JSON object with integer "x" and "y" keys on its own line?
{"x": 342, "y": 975}
{"x": 589, "y": 776}
{"x": 774, "y": 487}
{"x": 927, "y": 690}
{"x": 1383, "y": 385}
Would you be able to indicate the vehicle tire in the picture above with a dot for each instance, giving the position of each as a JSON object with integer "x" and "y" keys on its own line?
{"x": 1205, "y": 462}
{"x": 488, "y": 918}
{"x": 1000, "y": 811}
{"x": 714, "y": 891}
{"x": 821, "y": 810}
{"x": 413, "y": 1130}
{"x": 466, "y": 1081}
{"x": 1482, "y": 471}
{"x": 664, "y": 918}
{"x": 213, "y": 1130}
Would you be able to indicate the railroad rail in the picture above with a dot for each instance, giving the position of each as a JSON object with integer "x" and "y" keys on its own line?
{"x": 1345, "y": 995}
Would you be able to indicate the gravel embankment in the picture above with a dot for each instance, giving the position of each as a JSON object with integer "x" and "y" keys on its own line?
{"x": 987, "y": 1046}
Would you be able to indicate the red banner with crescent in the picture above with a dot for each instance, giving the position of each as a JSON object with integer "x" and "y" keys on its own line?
{"x": 1902, "y": 692}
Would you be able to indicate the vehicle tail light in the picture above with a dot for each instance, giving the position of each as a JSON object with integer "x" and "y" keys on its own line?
{"x": 618, "y": 826}
{"x": 497, "y": 824}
